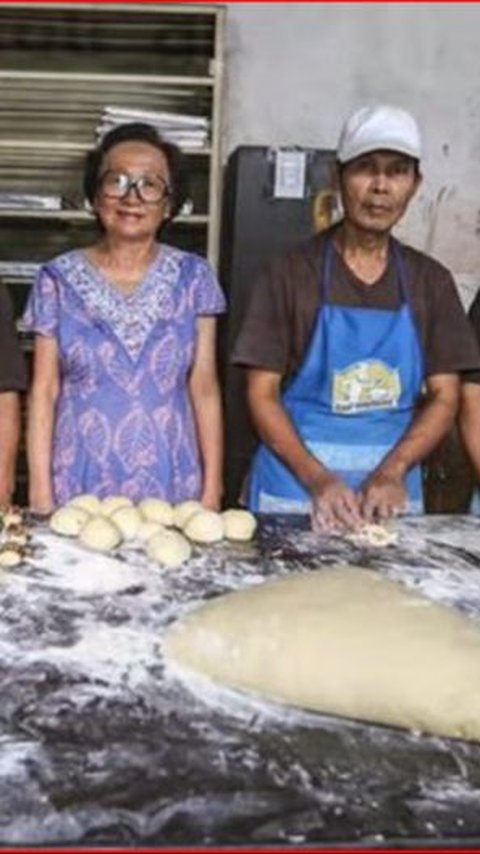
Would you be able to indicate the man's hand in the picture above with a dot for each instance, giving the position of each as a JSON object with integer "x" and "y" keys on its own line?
{"x": 384, "y": 495}
{"x": 334, "y": 506}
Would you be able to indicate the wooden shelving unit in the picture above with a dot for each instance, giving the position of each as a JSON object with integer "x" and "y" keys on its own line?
{"x": 60, "y": 65}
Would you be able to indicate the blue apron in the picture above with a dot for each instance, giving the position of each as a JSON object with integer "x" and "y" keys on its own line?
{"x": 352, "y": 398}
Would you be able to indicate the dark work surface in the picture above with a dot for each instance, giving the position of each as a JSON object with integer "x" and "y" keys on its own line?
{"x": 101, "y": 745}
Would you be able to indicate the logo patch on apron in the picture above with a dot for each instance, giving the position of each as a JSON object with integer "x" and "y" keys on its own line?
{"x": 365, "y": 386}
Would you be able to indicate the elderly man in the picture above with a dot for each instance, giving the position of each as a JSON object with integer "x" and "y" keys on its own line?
{"x": 343, "y": 336}
{"x": 12, "y": 381}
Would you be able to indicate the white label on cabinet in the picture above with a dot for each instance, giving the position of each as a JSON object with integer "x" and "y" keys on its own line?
{"x": 290, "y": 169}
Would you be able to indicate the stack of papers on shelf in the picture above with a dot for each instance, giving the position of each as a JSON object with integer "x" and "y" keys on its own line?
{"x": 18, "y": 270}
{"x": 27, "y": 201}
{"x": 185, "y": 131}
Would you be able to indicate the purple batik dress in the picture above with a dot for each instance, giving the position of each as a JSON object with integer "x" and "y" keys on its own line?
{"x": 124, "y": 422}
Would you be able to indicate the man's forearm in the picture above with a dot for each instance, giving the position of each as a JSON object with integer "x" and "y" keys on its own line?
{"x": 428, "y": 428}
{"x": 277, "y": 431}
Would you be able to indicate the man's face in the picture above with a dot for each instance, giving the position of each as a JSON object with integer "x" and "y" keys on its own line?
{"x": 376, "y": 189}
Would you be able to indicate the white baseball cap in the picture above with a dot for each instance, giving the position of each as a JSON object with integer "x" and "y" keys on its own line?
{"x": 380, "y": 127}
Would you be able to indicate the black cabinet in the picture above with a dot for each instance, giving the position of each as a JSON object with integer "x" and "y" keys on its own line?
{"x": 272, "y": 198}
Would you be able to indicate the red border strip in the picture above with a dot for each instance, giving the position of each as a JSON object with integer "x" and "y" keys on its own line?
{"x": 214, "y": 3}
{"x": 246, "y": 849}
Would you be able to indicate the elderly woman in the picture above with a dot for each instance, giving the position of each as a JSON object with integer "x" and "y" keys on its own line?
{"x": 125, "y": 397}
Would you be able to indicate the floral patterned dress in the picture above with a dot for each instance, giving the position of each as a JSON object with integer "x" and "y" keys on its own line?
{"x": 124, "y": 422}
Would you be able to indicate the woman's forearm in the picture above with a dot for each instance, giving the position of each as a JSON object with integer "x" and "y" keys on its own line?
{"x": 41, "y": 414}
{"x": 9, "y": 437}
{"x": 208, "y": 418}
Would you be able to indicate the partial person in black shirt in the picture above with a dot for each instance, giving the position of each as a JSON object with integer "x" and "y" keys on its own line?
{"x": 469, "y": 416}
{"x": 13, "y": 380}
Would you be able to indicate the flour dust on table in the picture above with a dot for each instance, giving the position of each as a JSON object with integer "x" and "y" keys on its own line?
{"x": 103, "y": 745}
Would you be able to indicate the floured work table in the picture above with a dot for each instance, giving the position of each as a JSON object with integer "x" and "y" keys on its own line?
{"x": 101, "y": 745}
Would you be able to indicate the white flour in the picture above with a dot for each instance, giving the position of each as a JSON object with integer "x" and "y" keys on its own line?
{"x": 117, "y": 655}
{"x": 101, "y": 744}
{"x": 73, "y": 567}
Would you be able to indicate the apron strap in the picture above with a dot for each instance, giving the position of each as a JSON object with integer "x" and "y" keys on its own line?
{"x": 401, "y": 270}
{"x": 326, "y": 269}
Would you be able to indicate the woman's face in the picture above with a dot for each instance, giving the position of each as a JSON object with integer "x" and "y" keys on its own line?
{"x": 133, "y": 212}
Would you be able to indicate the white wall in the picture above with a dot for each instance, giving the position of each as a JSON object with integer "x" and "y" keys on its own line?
{"x": 295, "y": 70}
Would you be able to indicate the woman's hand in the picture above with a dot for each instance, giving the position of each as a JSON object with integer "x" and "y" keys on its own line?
{"x": 205, "y": 396}
{"x": 41, "y": 504}
{"x": 211, "y": 499}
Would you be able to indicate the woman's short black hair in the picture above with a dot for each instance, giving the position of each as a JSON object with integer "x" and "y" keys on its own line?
{"x": 139, "y": 132}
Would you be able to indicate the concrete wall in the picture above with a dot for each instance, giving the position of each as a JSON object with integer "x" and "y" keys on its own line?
{"x": 295, "y": 70}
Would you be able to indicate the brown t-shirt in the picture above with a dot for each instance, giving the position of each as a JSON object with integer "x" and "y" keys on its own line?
{"x": 12, "y": 366}
{"x": 285, "y": 298}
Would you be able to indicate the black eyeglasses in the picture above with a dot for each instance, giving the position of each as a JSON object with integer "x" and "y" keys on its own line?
{"x": 149, "y": 189}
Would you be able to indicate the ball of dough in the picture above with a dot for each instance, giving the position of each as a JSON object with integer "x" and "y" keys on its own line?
{"x": 205, "y": 526}
{"x": 114, "y": 502}
{"x": 86, "y": 501}
{"x": 10, "y": 556}
{"x": 100, "y": 534}
{"x": 156, "y": 510}
{"x": 12, "y": 517}
{"x": 183, "y": 511}
{"x": 69, "y": 521}
{"x": 169, "y": 548}
{"x": 128, "y": 520}
{"x": 147, "y": 529}
{"x": 239, "y": 524}
{"x": 373, "y": 534}
{"x": 16, "y": 534}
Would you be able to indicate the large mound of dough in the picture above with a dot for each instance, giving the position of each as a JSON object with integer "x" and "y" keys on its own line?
{"x": 343, "y": 641}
